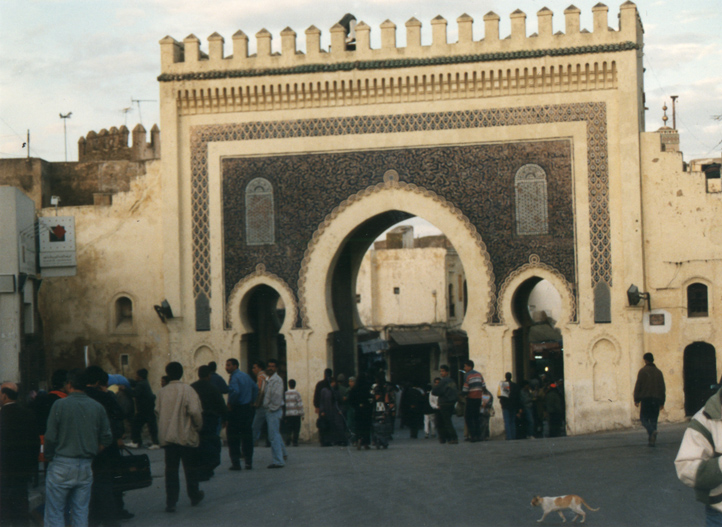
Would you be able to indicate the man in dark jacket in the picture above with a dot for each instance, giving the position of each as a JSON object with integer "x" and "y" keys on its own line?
{"x": 144, "y": 412}
{"x": 106, "y": 505}
{"x": 650, "y": 392}
{"x": 214, "y": 412}
{"x": 448, "y": 394}
{"x": 19, "y": 447}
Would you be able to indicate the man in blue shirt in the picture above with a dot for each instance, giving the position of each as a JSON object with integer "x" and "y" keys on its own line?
{"x": 242, "y": 392}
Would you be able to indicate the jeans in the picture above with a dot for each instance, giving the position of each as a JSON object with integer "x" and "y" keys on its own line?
{"x": 648, "y": 414}
{"x": 529, "y": 418}
{"x": 189, "y": 455}
{"x": 473, "y": 418}
{"x": 278, "y": 447}
{"x": 509, "y": 423}
{"x": 714, "y": 517}
{"x": 68, "y": 480}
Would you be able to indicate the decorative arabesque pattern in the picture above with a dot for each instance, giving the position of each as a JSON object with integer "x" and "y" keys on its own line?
{"x": 592, "y": 113}
{"x": 530, "y": 189}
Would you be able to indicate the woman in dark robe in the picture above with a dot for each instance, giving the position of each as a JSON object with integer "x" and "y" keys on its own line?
{"x": 330, "y": 412}
{"x": 360, "y": 399}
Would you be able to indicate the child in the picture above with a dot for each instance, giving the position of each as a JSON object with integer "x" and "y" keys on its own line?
{"x": 294, "y": 413}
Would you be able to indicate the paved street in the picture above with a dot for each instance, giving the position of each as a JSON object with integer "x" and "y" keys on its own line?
{"x": 420, "y": 482}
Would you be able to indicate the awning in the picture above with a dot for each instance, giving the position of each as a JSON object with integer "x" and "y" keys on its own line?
{"x": 417, "y": 336}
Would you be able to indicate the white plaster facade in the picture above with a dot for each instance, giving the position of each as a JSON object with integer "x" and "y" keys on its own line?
{"x": 17, "y": 279}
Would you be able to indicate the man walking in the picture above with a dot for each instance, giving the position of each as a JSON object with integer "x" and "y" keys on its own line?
{"x": 242, "y": 393}
{"x": 19, "y": 447}
{"x": 145, "y": 412}
{"x": 214, "y": 412}
{"x": 448, "y": 393}
{"x": 273, "y": 406}
{"x": 650, "y": 393}
{"x": 473, "y": 390}
{"x": 180, "y": 418}
{"x": 78, "y": 428}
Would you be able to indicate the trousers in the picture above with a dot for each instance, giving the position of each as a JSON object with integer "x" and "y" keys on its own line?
{"x": 68, "y": 481}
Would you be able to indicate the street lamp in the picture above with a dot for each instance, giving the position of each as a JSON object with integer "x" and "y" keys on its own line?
{"x": 65, "y": 129}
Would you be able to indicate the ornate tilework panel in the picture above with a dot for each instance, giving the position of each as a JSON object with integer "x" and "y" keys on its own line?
{"x": 478, "y": 179}
{"x": 530, "y": 185}
{"x": 591, "y": 113}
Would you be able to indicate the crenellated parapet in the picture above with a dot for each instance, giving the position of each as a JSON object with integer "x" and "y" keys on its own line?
{"x": 112, "y": 145}
{"x": 185, "y": 60}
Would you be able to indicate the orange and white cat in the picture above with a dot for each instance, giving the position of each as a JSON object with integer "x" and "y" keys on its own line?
{"x": 559, "y": 503}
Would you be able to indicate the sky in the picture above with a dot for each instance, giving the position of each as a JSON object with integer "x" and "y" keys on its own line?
{"x": 94, "y": 57}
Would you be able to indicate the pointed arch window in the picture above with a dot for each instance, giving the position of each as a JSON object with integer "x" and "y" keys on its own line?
{"x": 260, "y": 228}
{"x": 530, "y": 188}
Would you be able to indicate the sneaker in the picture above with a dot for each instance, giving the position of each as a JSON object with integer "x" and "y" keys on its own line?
{"x": 132, "y": 445}
{"x": 235, "y": 467}
{"x": 274, "y": 465}
{"x": 195, "y": 501}
{"x": 125, "y": 515}
{"x": 453, "y": 442}
{"x": 154, "y": 447}
{"x": 170, "y": 508}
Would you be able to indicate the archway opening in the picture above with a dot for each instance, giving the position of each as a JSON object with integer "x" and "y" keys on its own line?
{"x": 700, "y": 375}
{"x": 399, "y": 300}
{"x": 265, "y": 312}
{"x": 539, "y": 348}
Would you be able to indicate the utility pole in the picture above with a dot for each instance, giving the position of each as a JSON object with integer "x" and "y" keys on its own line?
{"x": 138, "y": 101}
{"x": 27, "y": 143}
{"x": 65, "y": 129}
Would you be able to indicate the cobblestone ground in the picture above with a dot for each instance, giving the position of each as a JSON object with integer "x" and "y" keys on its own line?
{"x": 421, "y": 482}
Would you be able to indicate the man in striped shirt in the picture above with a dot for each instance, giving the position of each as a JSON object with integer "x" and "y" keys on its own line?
{"x": 294, "y": 413}
{"x": 473, "y": 390}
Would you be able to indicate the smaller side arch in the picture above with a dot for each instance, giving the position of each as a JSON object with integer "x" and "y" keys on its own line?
{"x": 202, "y": 354}
{"x": 605, "y": 355}
{"x": 535, "y": 268}
{"x": 235, "y": 312}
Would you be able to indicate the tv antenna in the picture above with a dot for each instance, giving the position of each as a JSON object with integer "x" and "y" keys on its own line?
{"x": 138, "y": 101}
{"x": 125, "y": 112}
{"x": 65, "y": 130}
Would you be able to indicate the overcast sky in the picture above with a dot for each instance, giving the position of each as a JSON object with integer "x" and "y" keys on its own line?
{"x": 91, "y": 57}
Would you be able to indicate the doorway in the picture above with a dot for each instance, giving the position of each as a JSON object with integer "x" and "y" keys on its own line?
{"x": 265, "y": 312}
{"x": 700, "y": 375}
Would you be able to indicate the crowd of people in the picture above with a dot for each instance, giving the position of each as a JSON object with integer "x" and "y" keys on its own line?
{"x": 79, "y": 428}
{"x": 363, "y": 410}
